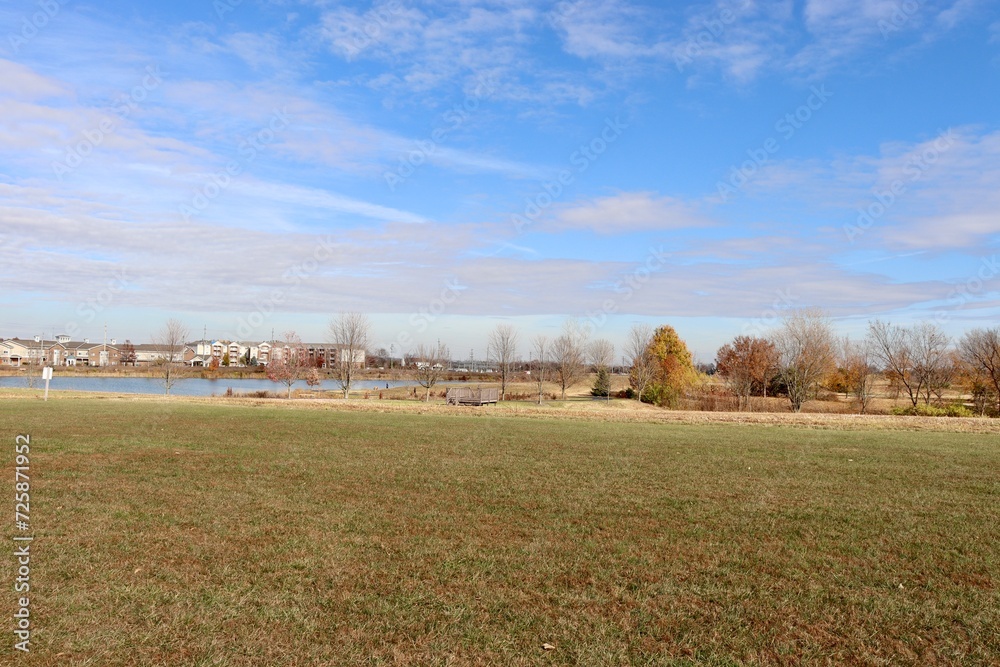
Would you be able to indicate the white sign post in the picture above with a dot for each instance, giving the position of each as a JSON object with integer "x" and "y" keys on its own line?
{"x": 47, "y": 375}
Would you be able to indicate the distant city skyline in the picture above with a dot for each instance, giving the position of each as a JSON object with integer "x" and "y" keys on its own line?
{"x": 446, "y": 166}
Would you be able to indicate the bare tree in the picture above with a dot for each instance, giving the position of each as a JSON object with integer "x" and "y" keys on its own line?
{"x": 502, "y": 349}
{"x": 640, "y": 358}
{"x": 946, "y": 372}
{"x": 602, "y": 353}
{"x": 891, "y": 346}
{"x": 350, "y": 332}
{"x": 431, "y": 362}
{"x": 602, "y": 356}
{"x": 540, "y": 350}
{"x": 170, "y": 341}
{"x": 807, "y": 353}
{"x": 746, "y": 364}
{"x": 568, "y": 353}
{"x": 980, "y": 352}
{"x": 290, "y": 364}
{"x": 913, "y": 357}
{"x": 935, "y": 365}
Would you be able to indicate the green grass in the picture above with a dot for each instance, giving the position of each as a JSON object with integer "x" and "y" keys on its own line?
{"x": 189, "y": 534}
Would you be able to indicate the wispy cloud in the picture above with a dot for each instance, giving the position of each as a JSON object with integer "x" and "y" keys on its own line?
{"x": 629, "y": 212}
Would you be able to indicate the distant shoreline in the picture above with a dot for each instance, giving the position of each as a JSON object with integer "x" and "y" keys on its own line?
{"x": 239, "y": 373}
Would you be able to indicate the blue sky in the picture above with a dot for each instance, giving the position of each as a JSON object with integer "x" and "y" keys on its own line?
{"x": 445, "y": 166}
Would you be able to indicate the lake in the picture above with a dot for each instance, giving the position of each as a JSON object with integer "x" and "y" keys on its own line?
{"x": 187, "y": 386}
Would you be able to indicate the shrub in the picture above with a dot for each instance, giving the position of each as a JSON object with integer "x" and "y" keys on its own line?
{"x": 922, "y": 410}
{"x": 661, "y": 395}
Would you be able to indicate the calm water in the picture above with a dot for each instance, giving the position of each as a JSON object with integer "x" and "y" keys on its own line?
{"x": 186, "y": 387}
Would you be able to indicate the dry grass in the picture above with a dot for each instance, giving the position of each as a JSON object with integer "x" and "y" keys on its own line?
{"x": 579, "y": 408}
{"x": 210, "y": 532}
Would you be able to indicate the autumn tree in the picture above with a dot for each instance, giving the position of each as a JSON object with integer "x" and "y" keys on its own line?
{"x": 673, "y": 368}
{"x": 569, "y": 355}
{"x": 128, "y": 355}
{"x": 431, "y": 361}
{"x": 641, "y": 364}
{"x": 980, "y": 353}
{"x": 170, "y": 341}
{"x": 351, "y": 333}
{"x": 290, "y": 364}
{"x": 857, "y": 366}
{"x": 502, "y": 349}
{"x": 807, "y": 353}
{"x": 747, "y": 365}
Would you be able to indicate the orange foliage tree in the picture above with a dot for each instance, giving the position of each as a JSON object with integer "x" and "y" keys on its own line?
{"x": 673, "y": 368}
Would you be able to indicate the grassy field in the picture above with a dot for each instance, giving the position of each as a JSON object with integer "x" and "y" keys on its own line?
{"x": 191, "y": 533}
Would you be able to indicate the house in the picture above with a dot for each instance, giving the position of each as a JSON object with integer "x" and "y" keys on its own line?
{"x": 238, "y": 353}
{"x": 20, "y": 352}
{"x": 13, "y": 353}
{"x": 85, "y": 353}
{"x": 202, "y": 352}
{"x": 320, "y": 355}
{"x": 263, "y": 353}
{"x": 147, "y": 354}
{"x": 64, "y": 352}
{"x": 330, "y": 355}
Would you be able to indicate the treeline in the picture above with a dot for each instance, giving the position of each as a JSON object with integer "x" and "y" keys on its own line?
{"x": 801, "y": 358}
{"x": 919, "y": 362}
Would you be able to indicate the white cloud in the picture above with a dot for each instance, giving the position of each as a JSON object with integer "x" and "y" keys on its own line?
{"x": 629, "y": 212}
{"x": 607, "y": 29}
{"x": 840, "y": 29}
{"x": 321, "y": 199}
{"x": 442, "y": 46}
{"x": 939, "y": 193}
{"x": 23, "y": 83}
